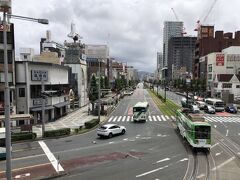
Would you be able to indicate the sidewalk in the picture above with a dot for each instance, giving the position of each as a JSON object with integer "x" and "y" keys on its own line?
{"x": 72, "y": 120}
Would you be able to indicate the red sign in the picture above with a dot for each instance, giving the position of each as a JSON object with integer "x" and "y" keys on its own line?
{"x": 219, "y": 59}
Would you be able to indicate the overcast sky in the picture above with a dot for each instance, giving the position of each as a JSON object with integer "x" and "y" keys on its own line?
{"x": 132, "y": 28}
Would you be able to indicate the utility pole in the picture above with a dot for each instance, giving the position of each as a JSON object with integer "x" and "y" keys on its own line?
{"x": 165, "y": 91}
{"x": 99, "y": 86}
{"x": 7, "y": 102}
{"x": 43, "y": 106}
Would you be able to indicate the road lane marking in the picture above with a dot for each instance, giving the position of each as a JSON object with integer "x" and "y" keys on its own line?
{"x": 119, "y": 119}
{"x": 128, "y": 118}
{"x": 214, "y": 145}
{"x": 167, "y": 117}
{"x": 123, "y": 119}
{"x": 115, "y": 119}
{"x": 55, "y": 163}
{"x": 63, "y": 124}
{"x": 109, "y": 120}
{"x": 149, "y": 118}
{"x": 152, "y": 171}
{"x": 164, "y": 119}
{"x": 223, "y": 164}
{"x": 173, "y": 117}
{"x": 166, "y": 159}
{"x": 159, "y": 118}
{"x": 154, "y": 118}
{"x": 227, "y": 133}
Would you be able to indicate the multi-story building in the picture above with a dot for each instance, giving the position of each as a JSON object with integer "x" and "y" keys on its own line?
{"x": 29, "y": 78}
{"x": 97, "y": 51}
{"x": 159, "y": 65}
{"x": 171, "y": 29}
{"x": 76, "y": 59}
{"x": 46, "y": 44}
{"x": 220, "y": 65}
{"x": 180, "y": 54}
{"x": 206, "y": 43}
{"x": 11, "y": 67}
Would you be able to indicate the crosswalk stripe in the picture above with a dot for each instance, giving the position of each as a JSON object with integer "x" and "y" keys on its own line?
{"x": 131, "y": 119}
{"x": 158, "y": 117}
{"x": 149, "y": 118}
{"x": 167, "y": 117}
{"x": 154, "y": 118}
{"x": 120, "y": 117}
{"x": 115, "y": 119}
{"x": 163, "y": 118}
{"x": 128, "y": 118}
{"x": 109, "y": 120}
{"x": 123, "y": 119}
{"x": 173, "y": 117}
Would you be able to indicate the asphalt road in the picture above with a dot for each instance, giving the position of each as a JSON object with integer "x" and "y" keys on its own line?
{"x": 151, "y": 151}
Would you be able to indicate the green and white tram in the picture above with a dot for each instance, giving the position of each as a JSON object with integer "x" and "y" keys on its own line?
{"x": 140, "y": 111}
{"x": 2, "y": 144}
{"x": 194, "y": 128}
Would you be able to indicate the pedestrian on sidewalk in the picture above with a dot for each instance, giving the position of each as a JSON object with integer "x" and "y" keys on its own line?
{"x": 88, "y": 110}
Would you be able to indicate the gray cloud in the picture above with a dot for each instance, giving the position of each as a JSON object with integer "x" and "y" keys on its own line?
{"x": 133, "y": 29}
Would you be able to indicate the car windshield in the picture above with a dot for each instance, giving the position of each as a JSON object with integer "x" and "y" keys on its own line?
{"x": 103, "y": 127}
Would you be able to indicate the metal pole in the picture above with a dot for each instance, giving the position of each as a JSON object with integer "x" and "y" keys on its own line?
{"x": 165, "y": 94}
{"x": 7, "y": 103}
{"x": 43, "y": 108}
{"x": 99, "y": 81}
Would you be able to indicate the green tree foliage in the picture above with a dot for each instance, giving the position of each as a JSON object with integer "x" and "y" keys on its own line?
{"x": 106, "y": 82}
{"x": 93, "y": 92}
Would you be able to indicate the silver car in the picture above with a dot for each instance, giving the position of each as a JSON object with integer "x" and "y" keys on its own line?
{"x": 109, "y": 130}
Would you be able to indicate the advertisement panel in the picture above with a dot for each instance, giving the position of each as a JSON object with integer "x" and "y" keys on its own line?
{"x": 219, "y": 59}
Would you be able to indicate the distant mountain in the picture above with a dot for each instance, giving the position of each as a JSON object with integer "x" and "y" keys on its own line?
{"x": 141, "y": 74}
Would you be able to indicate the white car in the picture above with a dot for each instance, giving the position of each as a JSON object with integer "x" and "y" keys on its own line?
{"x": 194, "y": 109}
{"x": 109, "y": 130}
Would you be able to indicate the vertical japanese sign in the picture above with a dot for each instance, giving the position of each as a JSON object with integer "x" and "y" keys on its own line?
{"x": 219, "y": 59}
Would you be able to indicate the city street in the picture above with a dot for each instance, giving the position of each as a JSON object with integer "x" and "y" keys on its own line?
{"x": 151, "y": 150}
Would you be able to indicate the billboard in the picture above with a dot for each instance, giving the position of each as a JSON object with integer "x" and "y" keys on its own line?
{"x": 219, "y": 59}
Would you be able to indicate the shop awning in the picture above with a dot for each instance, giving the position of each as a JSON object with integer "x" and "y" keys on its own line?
{"x": 61, "y": 104}
{"x": 40, "y": 108}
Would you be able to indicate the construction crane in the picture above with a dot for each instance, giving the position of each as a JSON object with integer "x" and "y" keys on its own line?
{"x": 175, "y": 14}
{"x": 206, "y": 16}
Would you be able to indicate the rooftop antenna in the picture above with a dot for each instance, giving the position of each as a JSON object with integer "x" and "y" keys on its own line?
{"x": 73, "y": 35}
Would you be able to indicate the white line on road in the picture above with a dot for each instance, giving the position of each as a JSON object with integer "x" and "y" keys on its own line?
{"x": 55, "y": 163}
{"x": 154, "y": 118}
{"x": 164, "y": 119}
{"x": 123, "y": 119}
{"x": 159, "y": 118}
{"x": 149, "y": 172}
{"x": 120, "y": 117}
{"x": 63, "y": 124}
{"x": 115, "y": 119}
{"x": 166, "y": 159}
{"x": 128, "y": 118}
{"x": 224, "y": 163}
{"x": 149, "y": 118}
{"x": 167, "y": 117}
{"x": 227, "y": 133}
{"x": 109, "y": 120}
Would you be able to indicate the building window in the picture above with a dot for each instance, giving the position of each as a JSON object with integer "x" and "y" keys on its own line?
{"x": 209, "y": 76}
{"x": 227, "y": 85}
{"x": 215, "y": 85}
{"x": 229, "y": 67}
{"x": 237, "y": 86}
{"x": 209, "y": 68}
{"x": 21, "y": 92}
{"x": 25, "y": 57}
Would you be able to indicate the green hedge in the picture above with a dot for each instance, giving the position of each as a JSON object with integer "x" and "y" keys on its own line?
{"x": 92, "y": 123}
{"x": 58, "y": 132}
{"x": 23, "y": 136}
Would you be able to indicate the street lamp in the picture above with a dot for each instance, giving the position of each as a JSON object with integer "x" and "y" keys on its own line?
{"x": 5, "y": 8}
{"x": 99, "y": 87}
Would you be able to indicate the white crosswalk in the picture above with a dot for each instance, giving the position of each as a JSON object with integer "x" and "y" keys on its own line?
{"x": 153, "y": 118}
{"x": 231, "y": 119}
